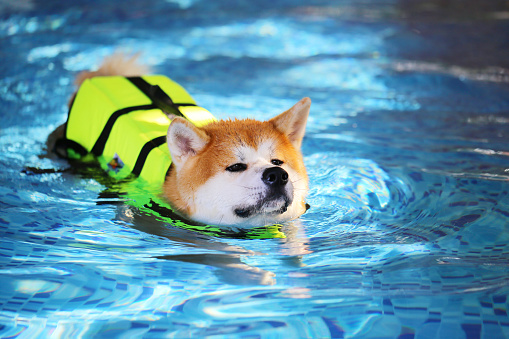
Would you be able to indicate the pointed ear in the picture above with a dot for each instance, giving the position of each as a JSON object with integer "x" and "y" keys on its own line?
{"x": 184, "y": 140}
{"x": 293, "y": 122}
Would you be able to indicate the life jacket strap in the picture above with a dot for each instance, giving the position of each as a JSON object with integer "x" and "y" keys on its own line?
{"x": 145, "y": 150}
{"x": 69, "y": 149}
{"x": 159, "y": 97}
{"x": 105, "y": 133}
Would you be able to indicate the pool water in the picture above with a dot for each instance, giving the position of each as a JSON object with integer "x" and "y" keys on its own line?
{"x": 407, "y": 149}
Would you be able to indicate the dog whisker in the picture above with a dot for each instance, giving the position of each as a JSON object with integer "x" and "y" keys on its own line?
{"x": 294, "y": 181}
{"x": 248, "y": 187}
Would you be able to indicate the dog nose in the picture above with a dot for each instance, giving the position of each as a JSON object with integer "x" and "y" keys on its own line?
{"x": 275, "y": 176}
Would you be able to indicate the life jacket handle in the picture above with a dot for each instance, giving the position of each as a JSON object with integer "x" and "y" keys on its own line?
{"x": 158, "y": 96}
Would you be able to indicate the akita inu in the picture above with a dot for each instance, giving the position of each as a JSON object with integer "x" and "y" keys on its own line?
{"x": 240, "y": 172}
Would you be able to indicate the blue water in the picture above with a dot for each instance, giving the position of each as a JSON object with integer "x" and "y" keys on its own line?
{"x": 407, "y": 149}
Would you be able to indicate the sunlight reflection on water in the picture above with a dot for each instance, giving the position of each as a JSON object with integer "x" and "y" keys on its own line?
{"x": 406, "y": 151}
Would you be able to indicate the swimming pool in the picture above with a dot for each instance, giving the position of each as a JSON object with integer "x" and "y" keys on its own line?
{"x": 407, "y": 151}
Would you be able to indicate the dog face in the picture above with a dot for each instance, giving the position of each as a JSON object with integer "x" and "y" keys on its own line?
{"x": 239, "y": 172}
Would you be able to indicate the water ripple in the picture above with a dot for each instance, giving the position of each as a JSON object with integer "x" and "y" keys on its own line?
{"x": 406, "y": 148}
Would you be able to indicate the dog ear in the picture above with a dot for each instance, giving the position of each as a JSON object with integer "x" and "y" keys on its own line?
{"x": 293, "y": 122}
{"x": 184, "y": 140}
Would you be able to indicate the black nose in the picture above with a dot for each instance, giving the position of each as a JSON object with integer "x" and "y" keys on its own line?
{"x": 275, "y": 176}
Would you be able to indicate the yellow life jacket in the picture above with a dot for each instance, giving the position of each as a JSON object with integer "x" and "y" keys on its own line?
{"x": 123, "y": 122}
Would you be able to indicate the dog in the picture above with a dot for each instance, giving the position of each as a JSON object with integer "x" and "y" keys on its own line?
{"x": 232, "y": 172}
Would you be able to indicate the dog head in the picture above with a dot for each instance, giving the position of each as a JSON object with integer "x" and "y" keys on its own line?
{"x": 239, "y": 172}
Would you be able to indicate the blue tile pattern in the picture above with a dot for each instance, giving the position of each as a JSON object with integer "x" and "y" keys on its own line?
{"x": 407, "y": 152}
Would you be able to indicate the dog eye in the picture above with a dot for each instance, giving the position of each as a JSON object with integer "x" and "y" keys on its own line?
{"x": 276, "y": 162}
{"x": 237, "y": 167}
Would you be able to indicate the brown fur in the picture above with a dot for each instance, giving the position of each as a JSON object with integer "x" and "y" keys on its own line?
{"x": 116, "y": 64}
{"x": 225, "y": 136}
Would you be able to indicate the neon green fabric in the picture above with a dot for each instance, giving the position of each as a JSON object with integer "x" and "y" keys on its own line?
{"x": 146, "y": 198}
{"x": 136, "y": 121}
